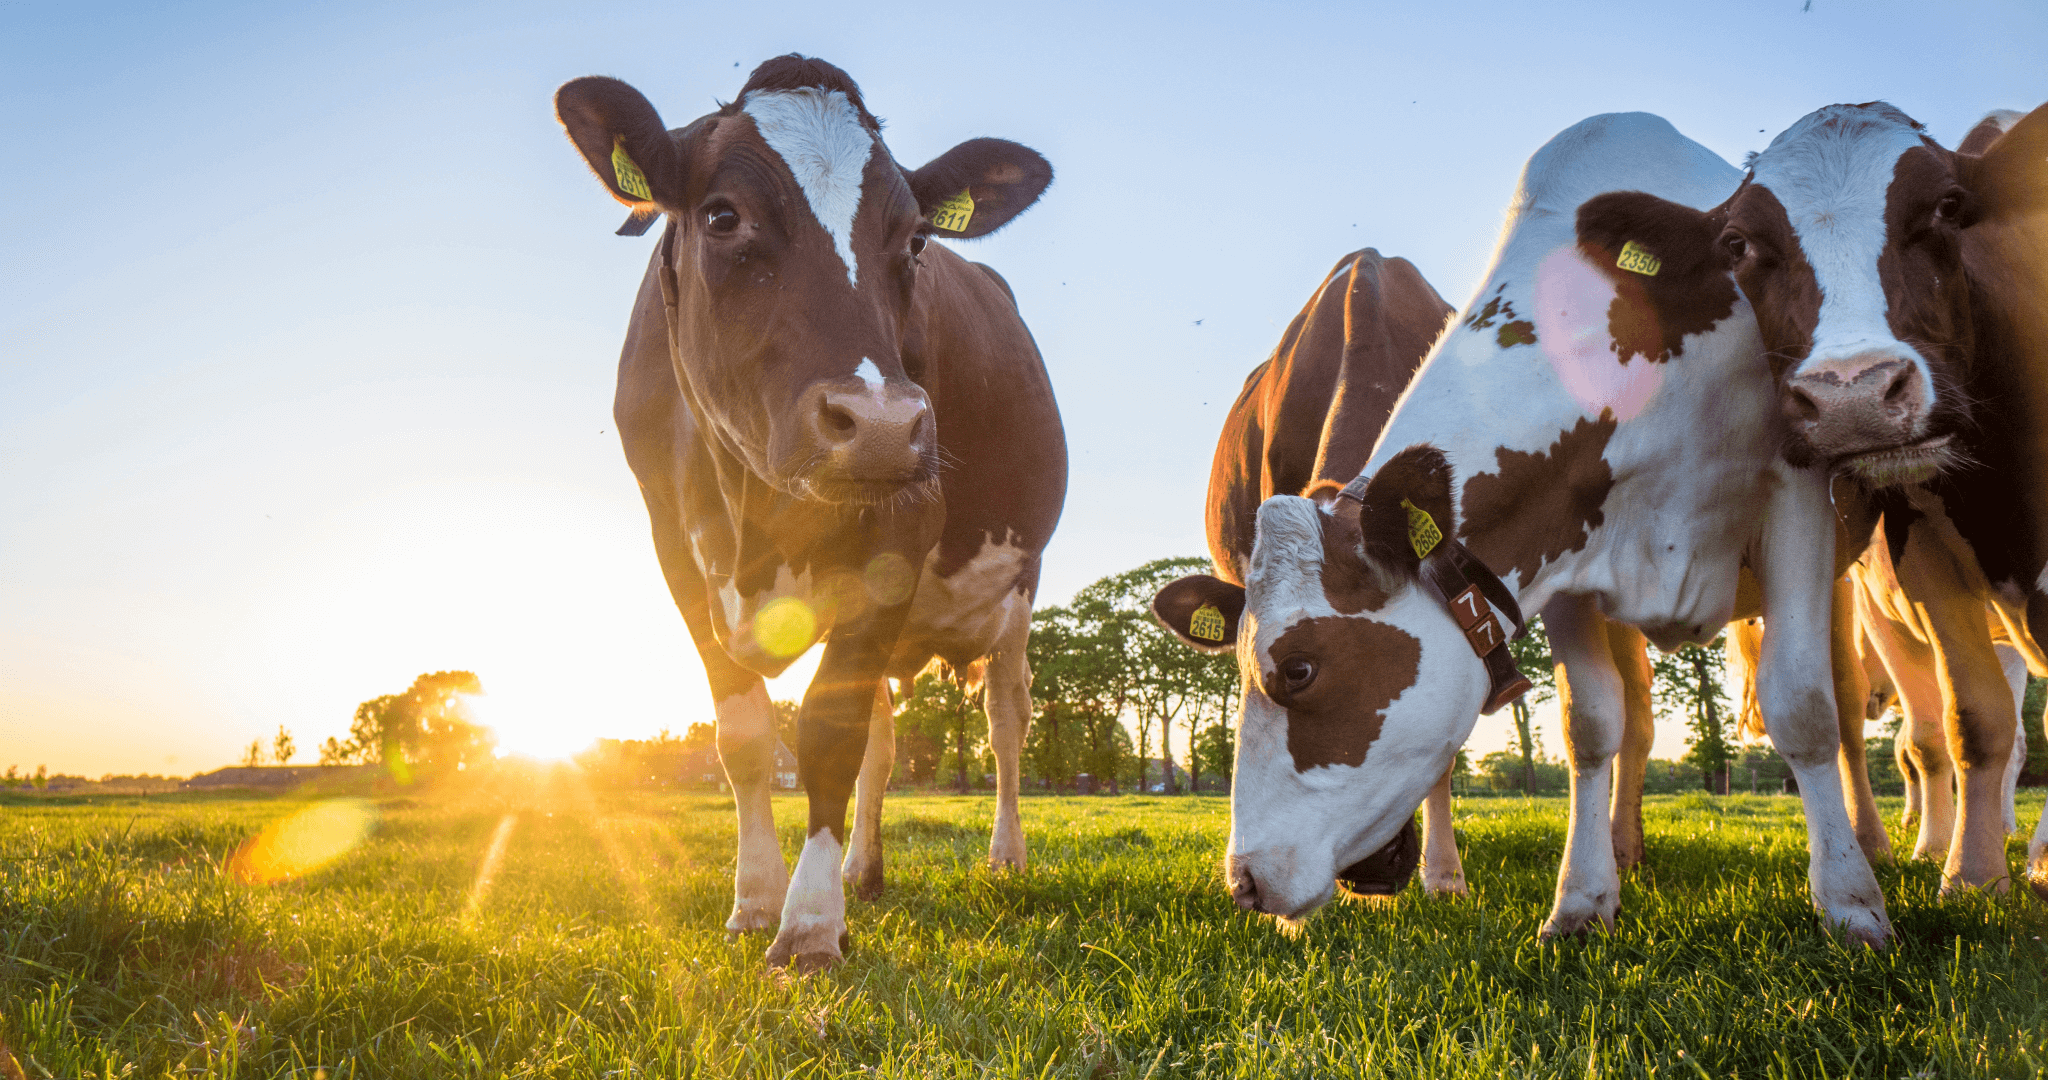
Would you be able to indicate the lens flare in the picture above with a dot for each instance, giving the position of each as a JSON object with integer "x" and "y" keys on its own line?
{"x": 303, "y": 841}
{"x": 786, "y": 626}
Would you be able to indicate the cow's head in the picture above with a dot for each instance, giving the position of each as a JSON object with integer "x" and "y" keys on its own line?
{"x": 1359, "y": 686}
{"x": 791, "y": 266}
{"x": 1846, "y": 238}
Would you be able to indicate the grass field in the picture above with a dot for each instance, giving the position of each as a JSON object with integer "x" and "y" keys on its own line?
{"x": 594, "y": 949}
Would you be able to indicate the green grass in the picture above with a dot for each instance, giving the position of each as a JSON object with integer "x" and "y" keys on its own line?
{"x": 597, "y": 951}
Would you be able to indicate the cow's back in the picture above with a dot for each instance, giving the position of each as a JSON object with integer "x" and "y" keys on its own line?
{"x": 1314, "y": 409}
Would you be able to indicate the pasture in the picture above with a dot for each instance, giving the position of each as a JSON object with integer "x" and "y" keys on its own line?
{"x": 593, "y": 948}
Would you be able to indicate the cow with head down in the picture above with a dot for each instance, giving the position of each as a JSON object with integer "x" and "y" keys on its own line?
{"x": 1598, "y": 438}
{"x": 843, "y": 433}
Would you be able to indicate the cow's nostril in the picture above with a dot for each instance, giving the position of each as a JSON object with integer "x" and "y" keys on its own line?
{"x": 1896, "y": 392}
{"x": 836, "y": 422}
{"x": 1803, "y": 407}
{"x": 1245, "y": 890}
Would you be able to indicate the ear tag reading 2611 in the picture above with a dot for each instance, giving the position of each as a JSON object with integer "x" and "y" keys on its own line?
{"x": 631, "y": 180}
{"x": 1423, "y": 535}
{"x": 1636, "y": 259}
{"x": 1206, "y": 623}
{"x": 954, "y": 214}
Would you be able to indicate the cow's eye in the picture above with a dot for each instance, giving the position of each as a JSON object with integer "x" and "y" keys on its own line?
{"x": 917, "y": 243}
{"x": 1733, "y": 243}
{"x": 722, "y": 221}
{"x": 1950, "y": 207}
{"x": 1297, "y": 672}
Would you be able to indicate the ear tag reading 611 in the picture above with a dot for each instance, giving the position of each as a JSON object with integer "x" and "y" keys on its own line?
{"x": 1206, "y": 623}
{"x": 1423, "y": 535}
{"x": 954, "y": 214}
{"x": 1636, "y": 259}
{"x": 631, "y": 180}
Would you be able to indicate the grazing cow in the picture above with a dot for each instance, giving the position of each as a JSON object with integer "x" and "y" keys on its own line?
{"x": 1600, "y": 437}
{"x": 1894, "y": 281}
{"x": 842, "y": 433}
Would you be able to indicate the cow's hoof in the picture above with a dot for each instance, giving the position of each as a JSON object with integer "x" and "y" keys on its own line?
{"x": 1875, "y": 940}
{"x": 1581, "y": 915}
{"x": 808, "y": 950}
{"x": 747, "y": 920}
{"x": 869, "y": 887}
{"x": 1453, "y": 887}
{"x": 1003, "y": 863}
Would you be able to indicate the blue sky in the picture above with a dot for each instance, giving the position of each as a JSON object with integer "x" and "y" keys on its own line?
{"x": 311, "y": 315}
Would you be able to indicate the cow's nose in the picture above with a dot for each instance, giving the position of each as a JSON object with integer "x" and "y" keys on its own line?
{"x": 877, "y": 432}
{"x": 1869, "y": 401}
{"x": 1243, "y": 887}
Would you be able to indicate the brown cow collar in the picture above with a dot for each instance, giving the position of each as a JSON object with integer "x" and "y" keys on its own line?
{"x": 1465, "y": 587}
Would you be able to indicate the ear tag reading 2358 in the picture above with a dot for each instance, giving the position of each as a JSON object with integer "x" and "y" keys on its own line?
{"x": 631, "y": 180}
{"x": 954, "y": 214}
{"x": 1423, "y": 535}
{"x": 1637, "y": 259}
{"x": 1206, "y": 623}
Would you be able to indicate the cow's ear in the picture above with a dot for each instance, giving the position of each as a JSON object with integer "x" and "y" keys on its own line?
{"x": 2011, "y": 177}
{"x": 1406, "y": 511}
{"x": 1669, "y": 268}
{"x": 1202, "y": 611}
{"x": 621, "y": 138}
{"x": 978, "y": 186}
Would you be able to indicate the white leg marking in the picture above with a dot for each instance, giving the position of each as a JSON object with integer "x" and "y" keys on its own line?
{"x": 746, "y": 746}
{"x": 1442, "y": 871}
{"x": 814, "y": 917}
{"x": 1588, "y": 883}
{"x": 2015, "y": 666}
{"x": 1008, "y": 703}
{"x": 862, "y": 870}
{"x": 1795, "y": 686}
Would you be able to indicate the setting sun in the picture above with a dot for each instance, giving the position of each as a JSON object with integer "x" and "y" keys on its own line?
{"x": 526, "y": 731}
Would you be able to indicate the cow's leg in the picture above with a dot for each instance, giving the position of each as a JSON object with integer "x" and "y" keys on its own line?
{"x": 1639, "y": 731}
{"x": 1795, "y": 690}
{"x": 2015, "y": 665}
{"x": 832, "y": 741}
{"x": 746, "y": 747}
{"x": 1007, "y": 700}
{"x": 1442, "y": 870}
{"x": 1590, "y": 691}
{"x": 1921, "y": 748}
{"x": 862, "y": 870}
{"x": 1852, "y": 696}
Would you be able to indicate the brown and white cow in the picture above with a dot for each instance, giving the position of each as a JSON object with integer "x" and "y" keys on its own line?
{"x": 1878, "y": 261}
{"x": 1600, "y": 438}
{"x": 842, "y": 433}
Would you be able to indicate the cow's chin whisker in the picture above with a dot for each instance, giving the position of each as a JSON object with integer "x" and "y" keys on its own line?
{"x": 1914, "y": 464}
{"x": 917, "y": 492}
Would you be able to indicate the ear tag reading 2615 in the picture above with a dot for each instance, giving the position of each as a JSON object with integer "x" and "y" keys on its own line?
{"x": 1423, "y": 535}
{"x": 631, "y": 180}
{"x": 1206, "y": 623}
{"x": 954, "y": 214}
{"x": 1636, "y": 259}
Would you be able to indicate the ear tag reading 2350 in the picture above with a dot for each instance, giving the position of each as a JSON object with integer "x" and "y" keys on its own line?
{"x": 1423, "y": 535}
{"x": 631, "y": 180}
{"x": 954, "y": 214}
{"x": 1636, "y": 259}
{"x": 1206, "y": 623}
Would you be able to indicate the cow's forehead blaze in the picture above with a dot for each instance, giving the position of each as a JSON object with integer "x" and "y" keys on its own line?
{"x": 821, "y": 139}
{"x": 1362, "y": 666}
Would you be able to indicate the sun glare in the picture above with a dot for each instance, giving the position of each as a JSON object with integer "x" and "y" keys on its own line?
{"x": 524, "y": 731}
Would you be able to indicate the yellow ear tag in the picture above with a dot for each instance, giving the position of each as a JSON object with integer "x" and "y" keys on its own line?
{"x": 1206, "y": 623}
{"x": 631, "y": 180}
{"x": 954, "y": 214}
{"x": 1423, "y": 535}
{"x": 1636, "y": 259}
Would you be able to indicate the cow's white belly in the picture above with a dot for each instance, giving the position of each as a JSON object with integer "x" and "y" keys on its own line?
{"x": 966, "y": 614}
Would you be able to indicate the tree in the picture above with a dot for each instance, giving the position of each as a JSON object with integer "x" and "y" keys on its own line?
{"x": 1532, "y": 655}
{"x": 429, "y": 723}
{"x": 944, "y": 710}
{"x": 1216, "y": 750}
{"x": 282, "y": 748}
{"x": 785, "y": 722}
{"x": 252, "y": 754}
{"x": 1687, "y": 682}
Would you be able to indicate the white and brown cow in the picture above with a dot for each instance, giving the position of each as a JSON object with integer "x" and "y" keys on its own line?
{"x": 1876, "y": 260}
{"x": 843, "y": 433}
{"x": 1600, "y": 438}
